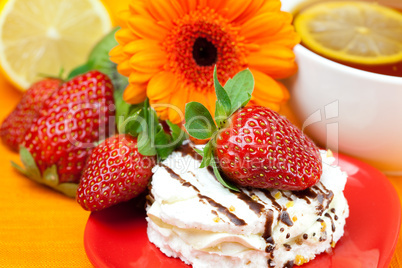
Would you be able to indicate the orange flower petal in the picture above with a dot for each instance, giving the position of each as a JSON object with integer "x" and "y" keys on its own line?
{"x": 135, "y": 94}
{"x": 258, "y": 25}
{"x": 122, "y": 17}
{"x": 271, "y": 105}
{"x": 161, "y": 110}
{"x": 146, "y": 28}
{"x": 216, "y": 5}
{"x": 140, "y": 45}
{"x": 124, "y": 35}
{"x": 148, "y": 61}
{"x": 250, "y": 11}
{"x": 235, "y": 9}
{"x": 188, "y": 5}
{"x": 276, "y": 61}
{"x": 163, "y": 10}
{"x": 268, "y": 90}
{"x": 269, "y": 6}
{"x": 139, "y": 7}
{"x": 161, "y": 85}
{"x": 139, "y": 77}
{"x": 285, "y": 37}
{"x": 116, "y": 54}
{"x": 124, "y": 68}
{"x": 178, "y": 101}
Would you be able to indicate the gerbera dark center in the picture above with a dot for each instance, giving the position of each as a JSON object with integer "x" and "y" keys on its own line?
{"x": 204, "y": 52}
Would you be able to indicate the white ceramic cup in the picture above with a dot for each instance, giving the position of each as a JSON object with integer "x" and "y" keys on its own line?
{"x": 348, "y": 110}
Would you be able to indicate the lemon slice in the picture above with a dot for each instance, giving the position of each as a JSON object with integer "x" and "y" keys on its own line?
{"x": 355, "y": 32}
{"x": 44, "y": 36}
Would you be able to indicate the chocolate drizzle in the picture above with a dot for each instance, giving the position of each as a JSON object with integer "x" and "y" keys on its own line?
{"x": 285, "y": 218}
{"x": 232, "y": 217}
{"x": 176, "y": 176}
{"x": 306, "y": 194}
{"x": 322, "y": 195}
{"x": 289, "y": 264}
{"x": 287, "y": 247}
{"x": 254, "y": 205}
{"x": 187, "y": 149}
{"x": 268, "y": 225}
{"x": 332, "y": 221}
{"x": 271, "y": 263}
{"x": 267, "y": 193}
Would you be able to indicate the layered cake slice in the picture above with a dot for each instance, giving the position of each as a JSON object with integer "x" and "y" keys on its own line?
{"x": 193, "y": 217}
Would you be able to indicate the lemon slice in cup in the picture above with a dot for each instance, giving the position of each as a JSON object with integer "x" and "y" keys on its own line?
{"x": 355, "y": 32}
{"x": 44, "y": 36}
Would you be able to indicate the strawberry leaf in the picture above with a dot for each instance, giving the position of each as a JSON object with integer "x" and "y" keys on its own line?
{"x": 207, "y": 155}
{"x": 126, "y": 114}
{"x": 178, "y": 135}
{"x": 220, "y": 114}
{"x": 145, "y": 145}
{"x": 133, "y": 123}
{"x": 200, "y": 152}
{"x": 239, "y": 89}
{"x": 199, "y": 122}
{"x": 84, "y": 68}
{"x": 149, "y": 129}
{"x": 152, "y": 138}
{"x": 222, "y": 180}
{"x": 50, "y": 176}
{"x": 31, "y": 169}
{"x": 162, "y": 144}
{"x": 222, "y": 95}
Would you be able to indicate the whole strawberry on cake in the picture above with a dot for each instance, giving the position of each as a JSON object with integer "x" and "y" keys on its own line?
{"x": 258, "y": 194}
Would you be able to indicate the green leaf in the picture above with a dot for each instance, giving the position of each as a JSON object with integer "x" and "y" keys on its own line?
{"x": 207, "y": 155}
{"x": 239, "y": 89}
{"x": 199, "y": 122}
{"x": 200, "y": 152}
{"x": 145, "y": 144}
{"x": 178, "y": 135}
{"x": 149, "y": 129}
{"x": 99, "y": 57}
{"x": 50, "y": 176}
{"x": 220, "y": 114}
{"x": 31, "y": 169}
{"x": 19, "y": 168}
{"x": 222, "y": 95}
{"x": 69, "y": 189}
{"x": 122, "y": 110}
{"x": 80, "y": 70}
{"x": 222, "y": 180}
{"x": 163, "y": 144}
{"x": 133, "y": 123}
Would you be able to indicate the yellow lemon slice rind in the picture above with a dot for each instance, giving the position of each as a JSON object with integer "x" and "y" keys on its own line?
{"x": 41, "y": 37}
{"x": 356, "y": 32}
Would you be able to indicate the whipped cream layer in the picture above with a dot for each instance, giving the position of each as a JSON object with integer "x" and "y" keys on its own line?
{"x": 191, "y": 216}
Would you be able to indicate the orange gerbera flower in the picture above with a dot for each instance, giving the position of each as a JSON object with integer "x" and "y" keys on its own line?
{"x": 168, "y": 49}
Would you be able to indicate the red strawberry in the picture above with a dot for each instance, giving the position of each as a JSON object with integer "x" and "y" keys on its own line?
{"x": 115, "y": 172}
{"x": 253, "y": 146}
{"x": 18, "y": 122}
{"x": 72, "y": 120}
{"x": 262, "y": 149}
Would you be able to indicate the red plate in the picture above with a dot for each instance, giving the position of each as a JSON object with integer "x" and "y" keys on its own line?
{"x": 116, "y": 237}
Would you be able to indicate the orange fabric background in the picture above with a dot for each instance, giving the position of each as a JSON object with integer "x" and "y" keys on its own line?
{"x": 42, "y": 228}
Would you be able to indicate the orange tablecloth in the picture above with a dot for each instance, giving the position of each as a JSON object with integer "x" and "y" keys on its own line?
{"x": 42, "y": 228}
